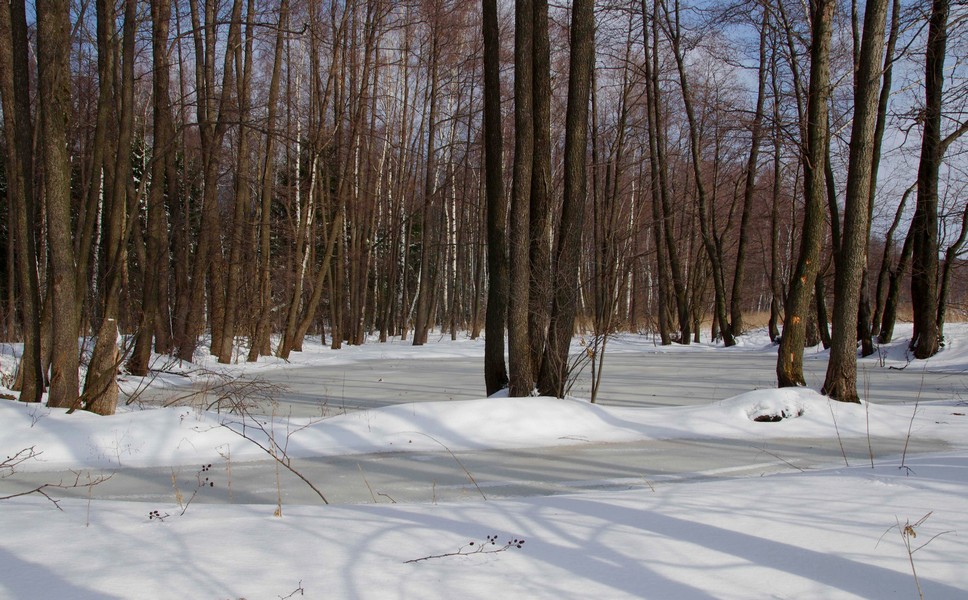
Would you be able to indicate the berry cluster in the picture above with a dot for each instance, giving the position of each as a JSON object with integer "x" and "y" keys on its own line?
{"x": 205, "y": 482}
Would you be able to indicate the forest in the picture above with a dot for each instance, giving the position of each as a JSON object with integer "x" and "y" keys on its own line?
{"x": 236, "y": 175}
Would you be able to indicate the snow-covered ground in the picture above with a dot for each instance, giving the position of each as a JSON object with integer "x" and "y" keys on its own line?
{"x": 887, "y": 531}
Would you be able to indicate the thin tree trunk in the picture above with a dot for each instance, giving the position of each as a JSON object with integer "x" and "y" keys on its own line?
{"x": 428, "y": 262}
{"x": 950, "y": 258}
{"x": 157, "y": 245}
{"x": 655, "y": 181}
{"x": 100, "y": 386}
{"x": 869, "y": 324}
{"x": 749, "y": 188}
{"x": 260, "y": 342}
{"x": 243, "y": 70}
{"x": 668, "y": 222}
{"x": 715, "y": 258}
{"x": 893, "y": 298}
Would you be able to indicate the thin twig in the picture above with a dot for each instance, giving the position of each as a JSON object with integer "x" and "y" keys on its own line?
{"x": 454, "y": 456}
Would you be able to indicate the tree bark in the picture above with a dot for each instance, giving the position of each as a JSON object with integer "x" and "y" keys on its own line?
{"x": 539, "y": 298}
{"x": 554, "y": 367}
{"x": 841, "y": 380}
{"x": 789, "y": 369}
{"x": 924, "y": 265}
{"x": 15, "y": 92}
{"x": 53, "y": 53}
{"x": 260, "y": 342}
{"x": 950, "y": 258}
{"x": 521, "y": 382}
{"x": 702, "y": 201}
{"x": 100, "y": 386}
{"x": 428, "y": 260}
{"x": 243, "y": 70}
{"x": 495, "y": 370}
{"x": 157, "y": 246}
{"x": 737, "y": 295}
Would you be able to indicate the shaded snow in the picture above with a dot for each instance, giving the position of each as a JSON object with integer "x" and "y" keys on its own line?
{"x": 822, "y": 534}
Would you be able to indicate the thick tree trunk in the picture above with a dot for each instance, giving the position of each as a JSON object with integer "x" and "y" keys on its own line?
{"x": 789, "y": 369}
{"x": 495, "y": 370}
{"x": 841, "y": 381}
{"x": 924, "y": 266}
{"x": 15, "y": 92}
{"x": 554, "y": 367}
{"x": 521, "y": 381}
{"x": 53, "y": 49}
{"x": 539, "y": 298}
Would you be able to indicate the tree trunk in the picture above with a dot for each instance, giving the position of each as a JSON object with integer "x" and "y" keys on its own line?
{"x": 539, "y": 298}
{"x": 213, "y": 124}
{"x": 789, "y": 369}
{"x": 841, "y": 381}
{"x": 894, "y": 290}
{"x": 702, "y": 201}
{"x": 661, "y": 149}
{"x": 924, "y": 265}
{"x": 157, "y": 246}
{"x": 749, "y": 188}
{"x": 100, "y": 386}
{"x": 15, "y": 92}
{"x": 521, "y": 381}
{"x": 655, "y": 181}
{"x": 495, "y": 370}
{"x": 243, "y": 70}
{"x": 950, "y": 258}
{"x": 554, "y": 367}
{"x": 260, "y": 345}
{"x": 428, "y": 260}
{"x": 53, "y": 50}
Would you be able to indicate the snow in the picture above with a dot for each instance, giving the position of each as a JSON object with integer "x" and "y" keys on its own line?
{"x": 827, "y": 533}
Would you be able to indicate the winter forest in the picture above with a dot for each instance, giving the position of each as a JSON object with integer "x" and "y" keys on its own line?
{"x": 239, "y": 174}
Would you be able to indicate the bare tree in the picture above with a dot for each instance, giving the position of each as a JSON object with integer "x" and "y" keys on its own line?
{"x": 554, "y": 367}
{"x": 495, "y": 371}
{"x": 53, "y": 49}
{"x": 18, "y": 132}
{"x": 745, "y": 233}
{"x": 924, "y": 266}
{"x": 154, "y": 303}
{"x": 841, "y": 380}
{"x": 789, "y": 369}
{"x": 521, "y": 381}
